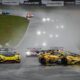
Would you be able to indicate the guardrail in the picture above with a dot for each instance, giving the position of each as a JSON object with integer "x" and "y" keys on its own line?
{"x": 14, "y": 12}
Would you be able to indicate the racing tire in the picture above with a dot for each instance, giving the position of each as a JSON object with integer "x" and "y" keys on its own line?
{"x": 64, "y": 61}
{"x": 42, "y": 61}
{"x": 77, "y": 63}
{"x": 50, "y": 62}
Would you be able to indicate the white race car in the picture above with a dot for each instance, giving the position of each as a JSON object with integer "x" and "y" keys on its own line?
{"x": 32, "y": 52}
{"x": 29, "y": 15}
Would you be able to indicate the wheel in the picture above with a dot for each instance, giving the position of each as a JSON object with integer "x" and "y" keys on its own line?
{"x": 42, "y": 61}
{"x": 18, "y": 61}
{"x": 78, "y": 63}
{"x": 50, "y": 62}
{"x": 64, "y": 61}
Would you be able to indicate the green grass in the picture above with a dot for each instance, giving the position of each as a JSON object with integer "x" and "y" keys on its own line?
{"x": 12, "y": 29}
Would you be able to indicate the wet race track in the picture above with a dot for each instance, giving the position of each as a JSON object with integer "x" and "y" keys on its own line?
{"x": 52, "y": 35}
{"x": 30, "y": 69}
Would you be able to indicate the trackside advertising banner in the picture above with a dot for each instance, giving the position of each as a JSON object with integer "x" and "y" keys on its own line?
{"x": 55, "y": 3}
{"x": 10, "y": 2}
{"x": 77, "y": 2}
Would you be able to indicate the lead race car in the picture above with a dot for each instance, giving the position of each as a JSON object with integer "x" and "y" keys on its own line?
{"x": 59, "y": 57}
{"x": 29, "y": 15}
{"x": 8, "y": 55}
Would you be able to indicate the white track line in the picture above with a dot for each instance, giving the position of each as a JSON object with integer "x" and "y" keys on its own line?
{"x": 24, "y": 35}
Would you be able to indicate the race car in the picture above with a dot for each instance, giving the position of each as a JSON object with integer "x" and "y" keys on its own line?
{"x": 72, "y": 59}
{"x": 61, "y": 58}
{"x": 32, "y": 52}
{"x": 9, "y": 56}
{"x": 29, "y": 15}
{"x": 49, "y": 58}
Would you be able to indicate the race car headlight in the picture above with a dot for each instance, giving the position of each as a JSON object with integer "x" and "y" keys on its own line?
{"x": 28, "y": 53}
{"x": 17, "y": 57}
{"x": 2, "y": 58}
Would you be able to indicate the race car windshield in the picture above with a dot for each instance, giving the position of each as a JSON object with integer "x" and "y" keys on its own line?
{"x": 6, "y": 51}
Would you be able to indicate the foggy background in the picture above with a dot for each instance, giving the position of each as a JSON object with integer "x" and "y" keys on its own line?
{"x": 53, "y": 28}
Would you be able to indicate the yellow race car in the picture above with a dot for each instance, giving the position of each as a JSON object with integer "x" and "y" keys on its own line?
{"x": 60, "y": 58}
{"x": 9, "y": 56}
{"x": 72, "y": 59}
{"x": 48, "y": 59}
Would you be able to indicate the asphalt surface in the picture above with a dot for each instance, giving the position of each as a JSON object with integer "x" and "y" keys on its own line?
{"x": 30, "y": 69}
